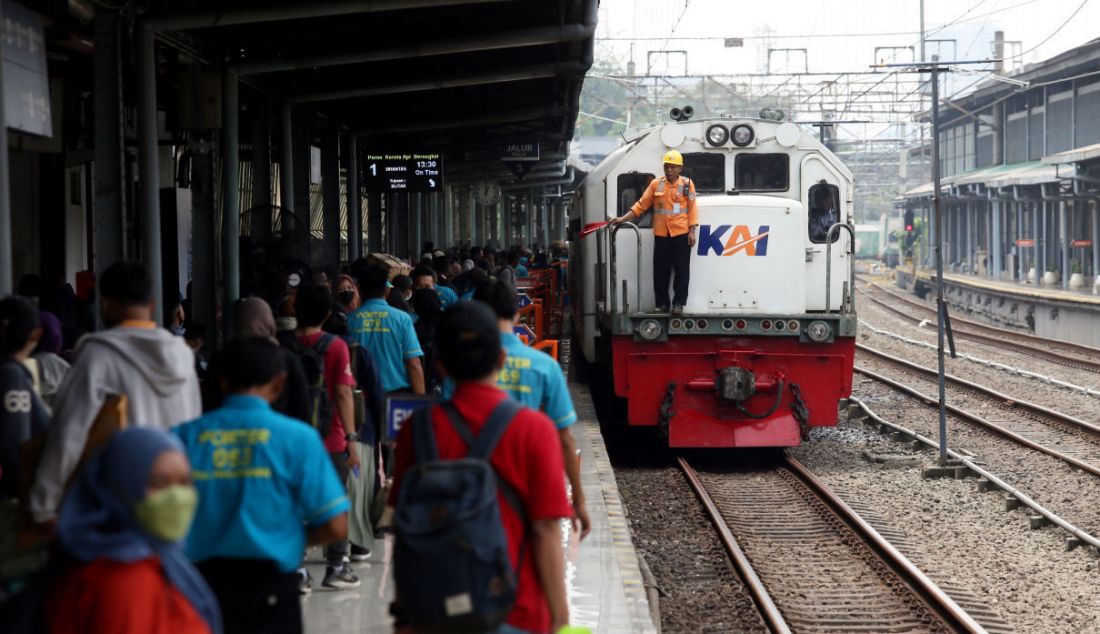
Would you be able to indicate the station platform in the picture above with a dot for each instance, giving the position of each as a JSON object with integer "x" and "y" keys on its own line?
{"x": 1022, "y": 289}
{"x": 1046, "y": 311}
{"x": 603, "y": 578}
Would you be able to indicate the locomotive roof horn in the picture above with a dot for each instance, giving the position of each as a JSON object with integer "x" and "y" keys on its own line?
{"x": 681, "y": 114}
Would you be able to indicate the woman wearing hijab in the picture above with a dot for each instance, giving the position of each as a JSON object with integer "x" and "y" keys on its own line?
{"x": 347, "y": 294}
{"x": 122, "y": 522}
{"x": 51, "y": 367}
{"x": 253, "y": 318}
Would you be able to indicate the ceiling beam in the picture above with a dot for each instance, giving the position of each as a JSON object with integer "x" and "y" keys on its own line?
{"x": 306, "y": 10}
{"x": 541, "y": 71}
{"x": 509, "y": 39}
{"x": 492, "y": 119}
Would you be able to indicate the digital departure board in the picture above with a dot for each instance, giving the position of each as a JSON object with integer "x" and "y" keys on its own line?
{"x": 399, "y": 172}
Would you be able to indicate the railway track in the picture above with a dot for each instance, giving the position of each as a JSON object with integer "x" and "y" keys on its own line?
{"x": 1064, "y": 437}
{"x": 811, "y": 563}
{"x": 1059, "y": 352}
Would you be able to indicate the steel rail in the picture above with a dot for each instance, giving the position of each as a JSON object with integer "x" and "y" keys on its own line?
{"x": 773, "y": 618}
{"x": 919, "y": 582}
{"x": 1011, "y": 401}
{"x": 1040, "y": 346}
{"x": 981, "y": 422}
{"x": 1022, "y": 497}
{"x": 930, "y": 594}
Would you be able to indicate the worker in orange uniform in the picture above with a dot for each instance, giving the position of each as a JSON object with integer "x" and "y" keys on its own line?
{"x": 674, "y": 224}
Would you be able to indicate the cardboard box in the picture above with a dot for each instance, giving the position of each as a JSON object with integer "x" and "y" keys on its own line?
{"x": 393, "y": 264}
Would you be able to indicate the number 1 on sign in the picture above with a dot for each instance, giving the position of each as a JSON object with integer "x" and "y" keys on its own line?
{"x": 373, "y": 169}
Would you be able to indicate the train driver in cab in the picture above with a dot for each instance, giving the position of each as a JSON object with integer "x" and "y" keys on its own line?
{"x": 675, "y": 222}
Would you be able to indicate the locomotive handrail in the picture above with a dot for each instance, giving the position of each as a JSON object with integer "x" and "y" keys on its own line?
{"x": 614, "y": 267}
{"x": 829, "y": 263}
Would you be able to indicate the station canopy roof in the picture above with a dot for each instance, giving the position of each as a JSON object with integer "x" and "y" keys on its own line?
{"x": 1029, "y": 173}
{"x": 1076, "y": 155}
{"x": 461, "y": 77}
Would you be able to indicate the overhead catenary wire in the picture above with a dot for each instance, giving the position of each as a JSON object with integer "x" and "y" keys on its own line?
{"x": 1055, "y": 32}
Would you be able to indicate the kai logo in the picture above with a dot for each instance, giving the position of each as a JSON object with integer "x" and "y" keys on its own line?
{"x": 740, "y": 240}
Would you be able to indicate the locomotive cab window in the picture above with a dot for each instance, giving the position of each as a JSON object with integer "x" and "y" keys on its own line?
{"x": 707, "y": 169}
{"x": 630, "y": 187}
{"x": 761, "y": 172}
{"x": 824, "y": 211}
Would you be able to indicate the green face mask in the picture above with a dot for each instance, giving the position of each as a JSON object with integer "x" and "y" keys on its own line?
{"x": 167, "y": 514}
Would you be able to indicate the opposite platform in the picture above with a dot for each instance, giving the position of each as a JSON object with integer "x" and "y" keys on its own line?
{"x": 603, "y": 578}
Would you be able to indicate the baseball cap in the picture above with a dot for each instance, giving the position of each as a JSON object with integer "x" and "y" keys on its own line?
{"x": 467, "y": 340}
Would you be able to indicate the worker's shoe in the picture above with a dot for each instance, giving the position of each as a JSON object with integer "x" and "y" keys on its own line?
{"x": 661, "y": 309}
{"x": 677, "y": 309}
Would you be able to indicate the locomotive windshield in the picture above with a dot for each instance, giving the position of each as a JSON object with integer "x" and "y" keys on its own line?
{"x": 762, "y": 172}
{"x": 707, "y": 169}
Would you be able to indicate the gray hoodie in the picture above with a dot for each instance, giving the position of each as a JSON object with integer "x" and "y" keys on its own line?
{"x": 152, "y": 368}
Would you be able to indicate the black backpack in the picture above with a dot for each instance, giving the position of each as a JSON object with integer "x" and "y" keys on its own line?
{"x": 313, "y": 365}
{"x": 451, "y": 565}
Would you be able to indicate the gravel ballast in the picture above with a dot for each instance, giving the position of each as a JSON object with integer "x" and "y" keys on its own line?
{"x": 699, "y": 590}
{"x": 963, "y": 539}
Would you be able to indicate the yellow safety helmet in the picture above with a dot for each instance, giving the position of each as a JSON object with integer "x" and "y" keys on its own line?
{"x": 673, "y": 157}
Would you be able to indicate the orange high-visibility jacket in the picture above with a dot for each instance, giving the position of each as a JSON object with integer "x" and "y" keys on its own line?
{"x": 673, "y": 206}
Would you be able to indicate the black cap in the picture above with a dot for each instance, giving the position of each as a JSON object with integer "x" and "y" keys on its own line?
{"x": 468, "y": 341}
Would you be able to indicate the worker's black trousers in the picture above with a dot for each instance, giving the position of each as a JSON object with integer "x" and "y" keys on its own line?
{"x": 671, "y": 256}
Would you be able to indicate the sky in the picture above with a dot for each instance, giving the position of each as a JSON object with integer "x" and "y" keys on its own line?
{"x": 840, "y": 35}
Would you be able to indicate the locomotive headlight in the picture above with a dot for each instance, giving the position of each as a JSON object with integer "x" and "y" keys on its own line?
{"x": 717, "y": 135}
{"x": 743, "y": 135}
{"x": 818, "y": 331}
{"x": 650, "y": 330}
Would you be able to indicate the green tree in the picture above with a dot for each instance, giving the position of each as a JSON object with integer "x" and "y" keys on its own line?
{"x": 604, "y": 101}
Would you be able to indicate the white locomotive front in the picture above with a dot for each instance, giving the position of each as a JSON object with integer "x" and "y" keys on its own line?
{"x": 764, "y": 348}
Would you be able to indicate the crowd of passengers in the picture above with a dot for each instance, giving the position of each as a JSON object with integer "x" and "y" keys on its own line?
{"x": 145, "y": 488}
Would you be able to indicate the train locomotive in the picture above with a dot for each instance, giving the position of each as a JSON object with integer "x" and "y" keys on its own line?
{"x": 764, "y": 349}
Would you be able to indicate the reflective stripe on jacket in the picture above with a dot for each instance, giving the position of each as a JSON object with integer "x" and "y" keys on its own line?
{"x": 674, "y": 207}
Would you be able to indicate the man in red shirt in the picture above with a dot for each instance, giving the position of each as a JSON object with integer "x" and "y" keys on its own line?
{"x": 313, "y": 306}
{"x": 527, "y": 457}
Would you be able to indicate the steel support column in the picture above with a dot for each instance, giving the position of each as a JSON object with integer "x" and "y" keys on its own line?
{"x": 231, "y": 199}
{"x": 286, "y": 162}
{"x": 401, "y": 222}
{"x": 110, "y": 180}
{"x": 303, "y": 183}
{"x": 531, "y": 219}
{"x": 1064, "y": 236}
{"x": 1095, "y": 240}
{"x": 996, "y": 241}
{"x": 374, "y": 222}
{"x": 330, "y": 198}
{"x": 7, "y": 261}
{"x": 544, "y": 215}
{"x": 417, "y": 239}
{"x": 204, "y": 295}
{"x": 148, "y": 166}
{"x": 477, "y": 220}
{"x": 260, "y": 216}
{"x": 355, "y": 205}
{"x": 446, "y": 234}
{"x": 971, "y": 236}
{"x": 1036, "y": 227}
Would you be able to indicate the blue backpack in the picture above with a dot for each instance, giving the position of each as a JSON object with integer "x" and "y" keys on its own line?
{"x": 451, "y": 563}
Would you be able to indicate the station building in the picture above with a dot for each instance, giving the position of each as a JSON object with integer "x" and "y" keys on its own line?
{"x": 1020, "y": 172}
{"x": 1020, "y": 186}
